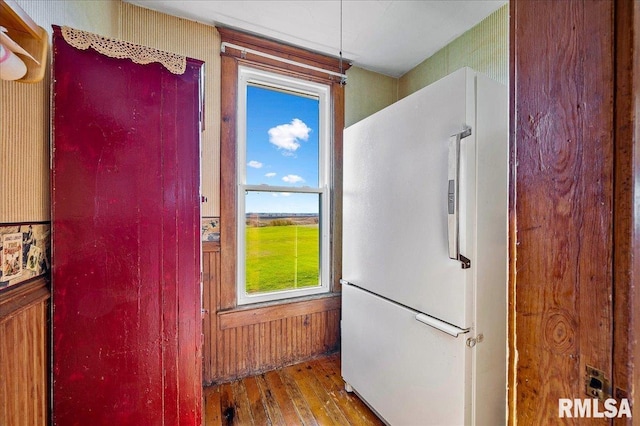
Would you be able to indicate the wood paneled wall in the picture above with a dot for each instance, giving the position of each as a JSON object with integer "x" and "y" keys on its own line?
{"x": 210, "y": 303}
{"x": 23, "y": 355}
{"x": 241, "y": 342}
{"x": 561, "y": 211}
{"x": 626, "y": 292}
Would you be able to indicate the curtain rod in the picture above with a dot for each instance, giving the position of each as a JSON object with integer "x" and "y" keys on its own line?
{"x": 225, "y": 44}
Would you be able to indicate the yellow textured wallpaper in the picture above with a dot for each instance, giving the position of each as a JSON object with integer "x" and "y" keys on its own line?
{"x": 24, "y": 108}
{"x": 484, "y": 48}
{"x": 24, "y": 114}
{"x": 367, "y": 92}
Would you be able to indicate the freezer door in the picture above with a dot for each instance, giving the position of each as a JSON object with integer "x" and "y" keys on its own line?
{"x": 396, "y": 200}
{"x": 410, "y": 373}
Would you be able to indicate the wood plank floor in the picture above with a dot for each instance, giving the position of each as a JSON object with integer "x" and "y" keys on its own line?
{"x": 311, "y": 393}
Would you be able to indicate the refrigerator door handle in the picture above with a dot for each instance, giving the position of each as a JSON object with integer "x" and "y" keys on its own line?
{"x": 440, "y": 325}
{"x": 453, "y": 191}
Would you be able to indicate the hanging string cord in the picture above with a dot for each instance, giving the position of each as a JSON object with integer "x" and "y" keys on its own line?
{"x": 343, "y": 78}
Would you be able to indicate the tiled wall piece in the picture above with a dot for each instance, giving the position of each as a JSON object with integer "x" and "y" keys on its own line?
{"x": 25, "y": 252}
{"x": 210, "y": 229}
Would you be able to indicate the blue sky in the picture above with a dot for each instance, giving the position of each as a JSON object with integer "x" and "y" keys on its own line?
{"x": 282, "y": 149}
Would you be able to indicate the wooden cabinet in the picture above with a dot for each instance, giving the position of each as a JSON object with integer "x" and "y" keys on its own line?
{"x": 126, "y": 238}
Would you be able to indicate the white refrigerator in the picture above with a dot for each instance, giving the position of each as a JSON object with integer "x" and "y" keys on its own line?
{"x": 425, "y": 255}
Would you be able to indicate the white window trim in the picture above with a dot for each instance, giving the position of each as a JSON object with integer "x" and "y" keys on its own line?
{"x": 247, "y": 75}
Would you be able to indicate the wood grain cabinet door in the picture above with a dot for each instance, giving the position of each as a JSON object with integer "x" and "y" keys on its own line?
{"x": 126, "y": 241}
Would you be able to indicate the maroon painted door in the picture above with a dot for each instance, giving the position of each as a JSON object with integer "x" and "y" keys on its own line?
{"x": 126, "y": 241}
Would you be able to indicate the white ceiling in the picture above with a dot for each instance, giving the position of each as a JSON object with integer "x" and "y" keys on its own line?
{"x": 386, "y": 36}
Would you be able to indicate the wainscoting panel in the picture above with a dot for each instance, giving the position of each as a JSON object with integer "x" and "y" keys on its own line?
{"x": 23, "y": 355}
{"x": 210, "y": 297}
{"x": 243, "y": 342}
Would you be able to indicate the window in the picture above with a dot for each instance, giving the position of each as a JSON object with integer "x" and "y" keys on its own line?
{"x": 245, "y": 186}
{"x": 283, "y": 202}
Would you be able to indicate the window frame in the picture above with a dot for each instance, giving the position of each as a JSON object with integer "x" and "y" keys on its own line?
{"x": 225, "y": 298}
{"x": 248, "y": 76}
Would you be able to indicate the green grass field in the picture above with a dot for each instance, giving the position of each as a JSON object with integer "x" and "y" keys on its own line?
{"x": 282, "y": 257}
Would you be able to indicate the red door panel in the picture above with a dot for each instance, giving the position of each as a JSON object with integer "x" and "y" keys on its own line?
{"x": 126, "y": 241}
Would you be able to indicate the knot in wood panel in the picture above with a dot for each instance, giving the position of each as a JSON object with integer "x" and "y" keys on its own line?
{"x": 559, "y": 331}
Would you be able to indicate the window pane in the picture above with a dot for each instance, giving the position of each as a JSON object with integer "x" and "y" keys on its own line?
{"x": 282, "y": 138}
{"x": 282, "y": 245}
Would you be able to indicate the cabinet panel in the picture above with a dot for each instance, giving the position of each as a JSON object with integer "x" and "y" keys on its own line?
{"x": 126, "y": 241}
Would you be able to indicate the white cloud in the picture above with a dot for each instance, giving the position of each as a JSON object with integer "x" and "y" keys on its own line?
{"x": 288, "y": 136}
{"x": 270, "y": 174}
{"x": 255, "y": 164}
{"x": 281, "y": 194}
{"x": 292, "y": 179}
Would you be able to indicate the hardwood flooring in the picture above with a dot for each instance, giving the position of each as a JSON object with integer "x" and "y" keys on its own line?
{"x": 311, "y": 393}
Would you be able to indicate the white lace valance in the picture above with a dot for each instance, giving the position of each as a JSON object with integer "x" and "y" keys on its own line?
{"x": 115, "y": 48}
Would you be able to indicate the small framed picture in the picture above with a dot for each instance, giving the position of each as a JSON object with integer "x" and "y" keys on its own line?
{"x": 34, "y": 257}
{"x": 11, "y": 256}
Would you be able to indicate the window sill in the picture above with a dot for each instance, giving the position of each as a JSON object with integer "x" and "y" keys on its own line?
{"x": 271, "y": 311}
